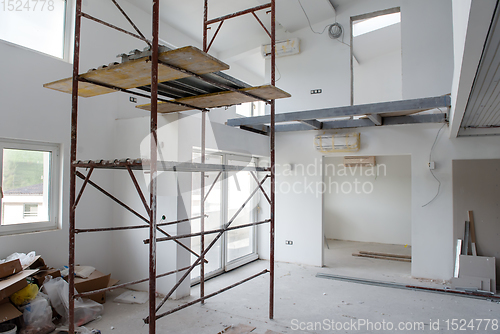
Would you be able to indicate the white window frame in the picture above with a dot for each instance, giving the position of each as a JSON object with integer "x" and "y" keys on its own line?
{"x": 68, "y": 40}
{"x": 227, "y": 266}
{"x": 54, "y": 188}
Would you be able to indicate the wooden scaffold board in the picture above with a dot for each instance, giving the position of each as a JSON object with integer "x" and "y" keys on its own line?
{"x": 220, "y": 99}
{"x": 137, "y": 73}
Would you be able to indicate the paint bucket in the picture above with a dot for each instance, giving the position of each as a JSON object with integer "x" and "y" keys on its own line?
{"x": 8, "y": 329}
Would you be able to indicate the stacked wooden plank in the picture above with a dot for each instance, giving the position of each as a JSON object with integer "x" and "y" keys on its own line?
{"x": 384, "y": 256}
{"x": 137, "y": 73}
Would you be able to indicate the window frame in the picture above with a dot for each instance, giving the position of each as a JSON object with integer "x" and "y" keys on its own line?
{"x": 68, "y": 38}
{"x": 54, "y": 187}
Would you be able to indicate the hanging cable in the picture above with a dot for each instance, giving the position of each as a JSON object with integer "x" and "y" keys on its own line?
{"x": 335, "y": 30}
{"x": 430, "y": 159}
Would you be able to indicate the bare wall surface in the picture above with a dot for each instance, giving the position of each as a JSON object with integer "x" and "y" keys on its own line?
{"x": 427, "y": 55}
{"x": 299, "y": 214}
{"x": 368, "y": 204}
{"x": 476, "y": 187}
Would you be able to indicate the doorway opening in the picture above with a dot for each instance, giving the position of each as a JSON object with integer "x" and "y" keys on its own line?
{"x": 376, "y": 59}
{"x": 367, "y": 209}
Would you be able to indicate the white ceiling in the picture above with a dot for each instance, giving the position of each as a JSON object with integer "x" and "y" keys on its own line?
{"x": 187, "y": 17}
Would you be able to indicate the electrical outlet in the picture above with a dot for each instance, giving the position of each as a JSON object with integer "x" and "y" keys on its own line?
{"x": 432, "y": 165}
{"x": 133, "y": 99}
{"x": 316, "y": 91}
{"x": 288, "y": 242}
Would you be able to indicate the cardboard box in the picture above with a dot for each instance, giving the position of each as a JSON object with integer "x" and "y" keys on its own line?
{"x": 96, "y": 281}
{"x": 40, "y": 276}
{"x": 37, "y": 263}
{"x": 14, "y": 283}
{"x": 10, "y": 268}
{"x": 8, "y": 311}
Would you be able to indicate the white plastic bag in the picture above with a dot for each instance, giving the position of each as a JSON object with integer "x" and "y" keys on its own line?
{"x": 38, "y": 312}
{"x": 24, "y": 258}
{"x": 86, "y": 310}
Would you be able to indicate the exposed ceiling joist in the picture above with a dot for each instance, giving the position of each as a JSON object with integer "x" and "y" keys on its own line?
{"x": 351, "y": 123}
{"x": 313, "y": 123}
{"x": 376, "y": 119}
{"x": 386, "y": 108}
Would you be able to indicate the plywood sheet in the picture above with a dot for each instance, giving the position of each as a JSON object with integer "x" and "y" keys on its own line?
{"x": 136, "y": 73}
{"x": 221, "y": 99}
{"x": 478, "y": 266}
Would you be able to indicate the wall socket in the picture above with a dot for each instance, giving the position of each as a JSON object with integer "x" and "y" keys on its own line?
{"x": 316, "y": 91}
{"x": 133, "y": 99}
{"x": 288, "y": 242}
{"x": 432, "y": 165}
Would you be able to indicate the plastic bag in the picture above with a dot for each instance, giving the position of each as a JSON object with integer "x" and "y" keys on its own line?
{"x": 24, "y": 258}
{"x": 38, "y": 317}
{"x": 25, "y": 295}
{"x": 86, "y": 310}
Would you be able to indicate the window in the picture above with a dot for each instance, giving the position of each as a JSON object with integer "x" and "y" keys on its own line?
{"x": 250, "y": 109}
{"x": 362, "y": 27}
{"x": 37, "y": 24}
{"x": 29, "y": 186}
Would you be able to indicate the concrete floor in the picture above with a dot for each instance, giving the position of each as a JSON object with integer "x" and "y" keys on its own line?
{"x": 300, "y": 298}
{"x": 339, "y": 259}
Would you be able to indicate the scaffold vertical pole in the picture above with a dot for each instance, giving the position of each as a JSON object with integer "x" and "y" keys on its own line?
{"x": 72, "y": 192}
{"x": 273, "y": 161}
{"x": 202, "y": 183}
{"x": 153, "y": 171}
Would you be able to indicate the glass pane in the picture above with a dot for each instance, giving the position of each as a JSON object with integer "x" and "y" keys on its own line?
{"x": 38, "y": 25}
{"x": 213, "y": 210}
{"x": 240, "y": 185}
{"x": 25, "y": 185}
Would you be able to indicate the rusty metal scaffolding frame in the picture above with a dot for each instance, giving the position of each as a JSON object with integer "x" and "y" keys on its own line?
{"x": 153, "y": 165}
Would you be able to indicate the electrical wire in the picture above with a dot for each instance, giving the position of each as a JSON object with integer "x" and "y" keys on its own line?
{"x": 335, "y": 30}
{"x": 430, "y": 170}
{"x": 308, "y": 21}
{"x": 278, "y": 72}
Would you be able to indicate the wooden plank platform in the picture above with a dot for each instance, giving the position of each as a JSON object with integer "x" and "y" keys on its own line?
{"x": 221, "y": 99}
{"x": 137, "y": 73}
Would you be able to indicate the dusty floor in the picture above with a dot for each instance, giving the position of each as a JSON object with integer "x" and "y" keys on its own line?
{"x": 339, "y": 259}
{"x": 311, "y": 303}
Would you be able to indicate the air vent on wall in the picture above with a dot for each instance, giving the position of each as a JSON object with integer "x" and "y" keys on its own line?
{"x": 283, "y": 48}
{"x": 359, "y": 161}
{"x": 348, "y": 142}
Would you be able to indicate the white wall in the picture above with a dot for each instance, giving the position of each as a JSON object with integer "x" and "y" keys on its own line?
{"x": 32, "y": 112}
{"x": 427, "y": 63}
{"x": 369, "y": 204}
{"x": 427, "y": 55}
{"x": 378, "y": 79}
{"x": 432, "y": 226}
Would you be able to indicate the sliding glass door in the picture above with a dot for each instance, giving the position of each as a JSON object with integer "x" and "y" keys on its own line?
{"x": 230, "y": 191}
{"x": 240, "y": 244}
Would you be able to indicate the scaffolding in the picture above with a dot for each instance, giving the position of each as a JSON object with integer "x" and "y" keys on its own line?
{"x": 87, "y": 85}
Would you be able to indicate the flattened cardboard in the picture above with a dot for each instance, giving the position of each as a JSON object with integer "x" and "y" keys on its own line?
{"x": 14, "y": 283}
{"x": 8, "y": 312}
{"x": 478, "y": 266}
{"x": 40, "y": 276}
{"x": 10, "y": 268}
